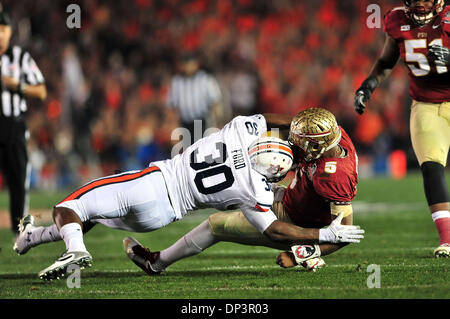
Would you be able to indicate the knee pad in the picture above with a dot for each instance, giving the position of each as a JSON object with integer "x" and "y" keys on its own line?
{"x": 435, "y": 185}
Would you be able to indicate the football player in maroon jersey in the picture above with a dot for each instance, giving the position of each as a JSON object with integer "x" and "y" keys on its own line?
{"x": 419, "y": 34}
{"x": 323, "y": 188}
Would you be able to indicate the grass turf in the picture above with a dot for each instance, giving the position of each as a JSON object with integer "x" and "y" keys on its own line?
{"x": 400, "y": 238}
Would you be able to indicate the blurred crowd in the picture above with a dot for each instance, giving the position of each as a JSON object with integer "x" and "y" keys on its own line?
{"x": 107, "y": 82}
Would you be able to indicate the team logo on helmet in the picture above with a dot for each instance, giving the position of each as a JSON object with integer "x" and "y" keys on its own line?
{"x": 271, "y": 157}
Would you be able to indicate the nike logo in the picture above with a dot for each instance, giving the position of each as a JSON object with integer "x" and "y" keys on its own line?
{"x": 63, "y": 258}
{"x": 435, "y": 26}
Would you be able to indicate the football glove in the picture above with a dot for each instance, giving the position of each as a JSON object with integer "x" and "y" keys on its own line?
{"x": 286, "y": 259}
{"x": 439, "y": 53}
{"x": 304, "y": 252}
{"x": 313, "y": 264}
{"x": 364, "y": 93}
{"x": 337, "y": 233}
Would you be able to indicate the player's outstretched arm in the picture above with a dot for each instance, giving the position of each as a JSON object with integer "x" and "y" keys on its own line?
{"x": 381, "y": 70}
{"x": 336, "y": 233}
{"x": 280, "y": 121}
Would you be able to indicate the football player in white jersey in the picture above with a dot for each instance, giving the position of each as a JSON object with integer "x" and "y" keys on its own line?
{"x": 226, "y": 170}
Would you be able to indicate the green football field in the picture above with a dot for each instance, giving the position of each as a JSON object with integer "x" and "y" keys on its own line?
{"x": 400, "y": 238}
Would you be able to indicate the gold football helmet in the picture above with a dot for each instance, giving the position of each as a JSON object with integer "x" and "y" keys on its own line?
{"x": 315, "y": 131}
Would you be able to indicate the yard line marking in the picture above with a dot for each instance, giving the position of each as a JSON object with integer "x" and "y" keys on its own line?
{"x": 362, "y": 207}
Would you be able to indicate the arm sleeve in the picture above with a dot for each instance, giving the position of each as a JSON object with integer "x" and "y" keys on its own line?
{"x": 260, "y": 213}
{"x": 33, "y": 76}
{"x": 261, "y": 220}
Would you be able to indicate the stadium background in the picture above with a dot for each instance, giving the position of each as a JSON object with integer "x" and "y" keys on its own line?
{"x": 107, "y": 81}
{"x": 112, "y": 116}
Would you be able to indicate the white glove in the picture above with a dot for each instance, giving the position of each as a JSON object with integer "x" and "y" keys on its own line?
{"x": 337, "y": 233}
{"x": 313, "y": 264}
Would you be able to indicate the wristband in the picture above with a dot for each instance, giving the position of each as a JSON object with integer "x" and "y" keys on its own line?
{"x": 370, "y": 84}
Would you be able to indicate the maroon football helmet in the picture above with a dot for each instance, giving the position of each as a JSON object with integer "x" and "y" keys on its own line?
{"x": 419, "y": 13}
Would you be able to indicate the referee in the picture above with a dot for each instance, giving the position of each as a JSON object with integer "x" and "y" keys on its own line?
{"x": 195, "y": 96}
{"x": 20, "y": 78}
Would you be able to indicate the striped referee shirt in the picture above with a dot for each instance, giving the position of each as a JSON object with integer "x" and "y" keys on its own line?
{"x": 19, "y": 64}
{"x": 193, "y": 95}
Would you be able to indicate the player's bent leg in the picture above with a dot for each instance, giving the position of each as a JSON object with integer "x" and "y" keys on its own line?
{"x": 70, "y": 229}
{"x": 193, "y": 243}
{"x": 31, "y": 236}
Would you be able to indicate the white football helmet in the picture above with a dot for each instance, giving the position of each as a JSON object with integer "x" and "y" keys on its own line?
{"x": 271, "y": 157}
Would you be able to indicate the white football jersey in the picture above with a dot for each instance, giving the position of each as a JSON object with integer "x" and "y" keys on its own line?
{"x": 215, "y": 172}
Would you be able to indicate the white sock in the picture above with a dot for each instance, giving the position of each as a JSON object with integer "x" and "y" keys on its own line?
{"x": 191, "y": 244}
{"x": 73, "y": 237}
{"x": 42, "y": 235}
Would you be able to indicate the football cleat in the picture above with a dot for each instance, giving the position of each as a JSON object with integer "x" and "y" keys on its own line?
{"x": 23, "y": 240}
{"x": 443, "y": 251}
{"x": 59, "y": 268}
{"x": 140, "y": 255}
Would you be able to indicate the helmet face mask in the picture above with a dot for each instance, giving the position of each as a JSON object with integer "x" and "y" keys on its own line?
{"x": 311, "y": 148}
{"x": 422, "y": 12}
{"x": 271, "y": 157}
{"x": 314, "y": 131}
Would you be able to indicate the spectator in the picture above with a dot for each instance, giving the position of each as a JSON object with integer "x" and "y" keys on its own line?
{"x": 196, "y": 96}
{"x": 300, "y": 52}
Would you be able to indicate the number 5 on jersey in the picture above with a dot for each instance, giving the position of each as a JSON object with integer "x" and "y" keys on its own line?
{"x": 330, "y": 167}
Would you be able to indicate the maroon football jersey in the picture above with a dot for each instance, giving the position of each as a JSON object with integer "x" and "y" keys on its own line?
{"x": 429, "y": 81}
{"x": 317, "y": 183}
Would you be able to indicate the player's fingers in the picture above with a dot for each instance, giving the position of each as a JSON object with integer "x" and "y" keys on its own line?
{"x": 350, "y": 240}
{"x": 356, "y": 236}
{"x": 357, "y": 230}
{"x": 361, "y": 99}
{"x": 278, "y": 259}
{"x": 350, "y": 227}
